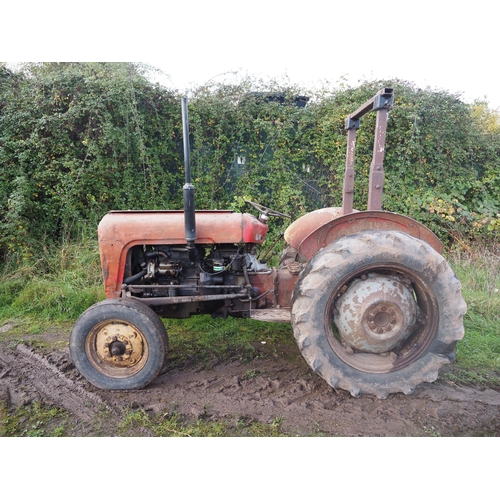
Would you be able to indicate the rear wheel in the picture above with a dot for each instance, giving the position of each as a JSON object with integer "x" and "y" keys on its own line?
{"x": 119, "y": 344}
{"x": 378, "y": 312}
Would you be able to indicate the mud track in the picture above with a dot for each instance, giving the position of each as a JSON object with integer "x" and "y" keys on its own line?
{"x": 277, "y": 385}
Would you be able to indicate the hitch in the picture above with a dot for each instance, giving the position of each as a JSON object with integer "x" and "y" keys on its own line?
{"x": 382, "y": 103}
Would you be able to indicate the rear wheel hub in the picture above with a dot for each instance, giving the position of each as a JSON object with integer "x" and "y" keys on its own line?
{"x": 376, "y": 314}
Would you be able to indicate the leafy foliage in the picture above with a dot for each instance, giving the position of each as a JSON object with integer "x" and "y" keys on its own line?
{"x": 77, "y": 140}
{"x": 80, "y": 139}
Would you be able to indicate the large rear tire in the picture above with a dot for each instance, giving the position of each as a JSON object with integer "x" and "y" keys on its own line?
{"x": 119, "y": 344}
{"x": 377, "y": 313}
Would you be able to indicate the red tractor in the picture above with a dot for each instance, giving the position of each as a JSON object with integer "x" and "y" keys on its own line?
{"x": 374, "y": 307}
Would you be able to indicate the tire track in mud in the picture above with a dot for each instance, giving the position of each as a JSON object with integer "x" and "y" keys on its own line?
{"x": 24, "y": 375}
{"x": 266, "y": 390}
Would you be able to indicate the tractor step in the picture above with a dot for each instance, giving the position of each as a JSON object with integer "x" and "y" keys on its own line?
{"x": 281, "y": 315}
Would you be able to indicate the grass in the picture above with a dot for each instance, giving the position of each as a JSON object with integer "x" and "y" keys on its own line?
{"x": 59, "y": 285}
{"x": 478, "y": 354}
{"x": 34, "y": 420}
{"x": 206, "y": 341}
{"x": 172, "y": 424}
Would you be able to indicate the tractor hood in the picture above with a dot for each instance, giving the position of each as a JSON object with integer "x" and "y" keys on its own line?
{"x": 167, "y": 227}
{"x": 121, "y": 230}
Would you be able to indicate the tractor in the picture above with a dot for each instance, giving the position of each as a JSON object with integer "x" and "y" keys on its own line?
{"x": 374, "y": 307}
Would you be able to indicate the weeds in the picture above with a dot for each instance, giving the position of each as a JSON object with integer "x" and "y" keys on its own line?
{"x": 250, "y": 374}
{"x": 479, "y": 351}
{"x": 34, "y": 420}
{"x": 171, "y": 424}
{"x": 59, "y": 285}
{"x": 430, "y": 431}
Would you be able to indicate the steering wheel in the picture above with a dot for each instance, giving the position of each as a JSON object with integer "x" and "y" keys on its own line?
{"x": 266, "y": 211}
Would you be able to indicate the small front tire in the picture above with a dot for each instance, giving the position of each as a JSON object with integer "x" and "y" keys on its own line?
{"x": 119, "y": 344}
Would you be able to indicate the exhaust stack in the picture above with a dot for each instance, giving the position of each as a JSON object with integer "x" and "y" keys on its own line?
{"x": 188, "y": 189}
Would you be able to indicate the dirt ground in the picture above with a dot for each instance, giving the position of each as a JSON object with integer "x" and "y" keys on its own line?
{"x": 276, "y": 385}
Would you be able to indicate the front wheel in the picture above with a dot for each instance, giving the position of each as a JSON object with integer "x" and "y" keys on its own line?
{"x": 377, "y": 312}
{"x": 119, "y": 344}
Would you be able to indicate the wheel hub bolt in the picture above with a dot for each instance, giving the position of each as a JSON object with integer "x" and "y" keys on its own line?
{"x": 117, "y": 348}
{"x": 375, "y": 315}
{"x": 382, "y": 319}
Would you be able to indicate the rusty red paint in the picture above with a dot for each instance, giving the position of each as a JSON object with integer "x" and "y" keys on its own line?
{"x": 305, "y": 225}
{"x": 285, "y": 284}
{"x": 262, "y": 283}
{"x": 376, "y": 182}
{"x": 121, "y": 230}
{"x": 279, "y": 283}
{"x": 308, "y": 239}
{"x": 348, "y": 194}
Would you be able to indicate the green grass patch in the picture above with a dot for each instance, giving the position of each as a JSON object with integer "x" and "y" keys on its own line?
{"x": 478, "y": 353}
{"x": 204, "y": 340}
{"x": 49, "y": 299}
{"x": 172, "y": 424}
{"x": 60, "y": 285}
{"x": 34, "y": 420}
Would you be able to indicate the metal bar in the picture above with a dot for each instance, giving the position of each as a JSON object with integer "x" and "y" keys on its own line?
{"x": 188, "y": 189}
{"x": 376, "y": 183}
{"x": 348, "y": 193}
{"x": 362, "y": 110}
{"x": 185, "y": 131}
{"x": 137, "y": 288}
{"x": 368, "y": 106}
{"x": 163, "y": 301}
{"x": 381, "y": 102}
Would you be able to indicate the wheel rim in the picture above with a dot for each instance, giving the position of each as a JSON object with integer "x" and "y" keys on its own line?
{"x": 117, "y": 348}
{"x": 376, "y": 314}
{"x": 381, "y": 318}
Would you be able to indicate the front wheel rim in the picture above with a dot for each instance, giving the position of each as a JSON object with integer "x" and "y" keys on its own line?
{"x": 116, "y": 348}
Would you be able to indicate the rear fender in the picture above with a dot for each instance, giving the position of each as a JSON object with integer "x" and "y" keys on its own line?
{"x": 318, "y": 229}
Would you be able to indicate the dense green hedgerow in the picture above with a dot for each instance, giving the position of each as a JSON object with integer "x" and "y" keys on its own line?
{"x": 79, "y": 139}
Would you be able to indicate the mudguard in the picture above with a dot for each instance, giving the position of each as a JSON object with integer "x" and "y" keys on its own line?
{"x": 316, "y": 230}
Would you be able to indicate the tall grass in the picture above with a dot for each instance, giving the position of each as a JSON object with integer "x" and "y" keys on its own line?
{"x": 479, "y": 272}
{"x": 59, "y": 285}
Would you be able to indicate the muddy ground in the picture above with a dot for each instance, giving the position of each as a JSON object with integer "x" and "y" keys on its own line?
{"x": 276, "y": 385}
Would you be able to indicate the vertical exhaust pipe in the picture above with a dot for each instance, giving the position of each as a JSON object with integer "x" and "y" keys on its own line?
{"x": 188, "y": 189}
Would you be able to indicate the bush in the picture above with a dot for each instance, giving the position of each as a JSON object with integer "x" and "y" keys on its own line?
{"x": 80, "y": 139}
